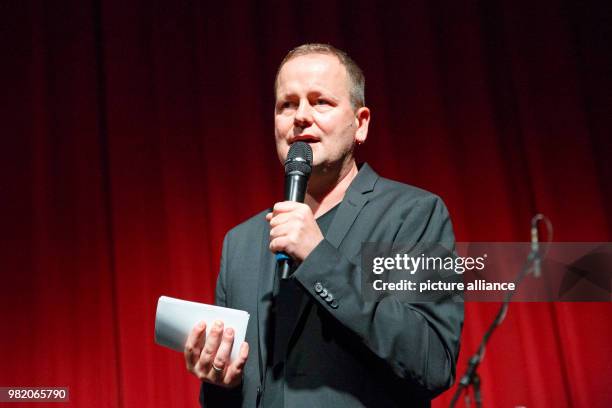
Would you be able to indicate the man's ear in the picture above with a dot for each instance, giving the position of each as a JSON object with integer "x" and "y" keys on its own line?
{"x": 362, "y": 120}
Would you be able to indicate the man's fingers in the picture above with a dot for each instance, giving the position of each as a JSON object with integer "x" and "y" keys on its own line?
{"x": 280, "y": 244}
{"x": 234, "y": 371}
{"x": 279, "y": 219}
{"x": 280, "y": 230}
{"x": 285, "y": 206}
{"x": 223, "y": 353}
{"x": 211, "y": 345}
{"x": 193, "y": 345}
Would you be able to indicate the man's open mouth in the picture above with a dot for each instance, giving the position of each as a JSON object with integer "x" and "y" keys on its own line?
{"x": 306, "y": 139}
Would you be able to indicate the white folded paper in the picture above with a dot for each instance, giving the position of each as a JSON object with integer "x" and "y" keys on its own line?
{"x": 175, "y": 318}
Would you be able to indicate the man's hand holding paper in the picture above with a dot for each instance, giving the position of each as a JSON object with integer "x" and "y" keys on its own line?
{"x": 208, "y": 357}
{"x": 209, "y": 352}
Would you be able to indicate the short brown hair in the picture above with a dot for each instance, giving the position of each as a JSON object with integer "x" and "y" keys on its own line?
{"x": 355, "y": 74}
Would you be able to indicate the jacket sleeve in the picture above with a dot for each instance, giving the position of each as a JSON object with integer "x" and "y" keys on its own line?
{"x": 213, "y": 395}
{"x": 418, "y": 341}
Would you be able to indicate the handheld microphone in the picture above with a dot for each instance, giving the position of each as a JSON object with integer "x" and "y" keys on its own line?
{"x": 297, "y": 171}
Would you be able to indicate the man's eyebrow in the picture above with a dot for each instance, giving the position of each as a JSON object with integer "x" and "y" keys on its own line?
{"x": 327, "y": 94}
{"x": 286, "y": 95}
{"x": 313, "y": 93}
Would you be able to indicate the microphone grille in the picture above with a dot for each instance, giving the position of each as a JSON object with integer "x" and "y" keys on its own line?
{"x": 299, "y": 158}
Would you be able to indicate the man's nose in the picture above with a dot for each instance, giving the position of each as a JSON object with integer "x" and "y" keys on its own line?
{"x": 303, "y": 115}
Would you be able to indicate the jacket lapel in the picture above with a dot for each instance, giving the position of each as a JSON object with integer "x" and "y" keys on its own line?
{"x": 265, "y": 289}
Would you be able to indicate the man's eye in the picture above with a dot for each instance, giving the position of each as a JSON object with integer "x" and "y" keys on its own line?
{"x": 286, "y": 105}
{"x": 322, "y": 102}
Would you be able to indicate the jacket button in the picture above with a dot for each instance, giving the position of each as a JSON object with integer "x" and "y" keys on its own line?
{"x": 318, "y": 287}
{"x": 323, "y": 293}
{"x": 258, "y": 390}
{"x": 334, "y": 304}
{"x": 329, "y": 298}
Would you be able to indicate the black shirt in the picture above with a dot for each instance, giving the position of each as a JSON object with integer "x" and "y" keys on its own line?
{"x": 288, "y": 297}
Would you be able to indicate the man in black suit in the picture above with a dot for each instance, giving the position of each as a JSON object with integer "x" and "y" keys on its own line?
{"x": 315, "y": 340}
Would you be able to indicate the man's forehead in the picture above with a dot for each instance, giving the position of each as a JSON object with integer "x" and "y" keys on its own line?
{"x": 312, "y": 69}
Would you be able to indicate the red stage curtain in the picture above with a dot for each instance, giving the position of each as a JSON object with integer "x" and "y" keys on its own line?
{"x": 135, "y": 134}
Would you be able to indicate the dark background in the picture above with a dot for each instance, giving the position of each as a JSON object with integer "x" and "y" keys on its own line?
{"x": 135, "y": 134}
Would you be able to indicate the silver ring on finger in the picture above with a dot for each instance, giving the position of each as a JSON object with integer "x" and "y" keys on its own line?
{"x": 217, "y": 369}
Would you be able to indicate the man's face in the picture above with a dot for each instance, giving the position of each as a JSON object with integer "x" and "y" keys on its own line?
{"x": 313, "y": 105}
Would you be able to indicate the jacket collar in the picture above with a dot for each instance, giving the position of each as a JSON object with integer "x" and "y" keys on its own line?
{"x": 352, "y": 203}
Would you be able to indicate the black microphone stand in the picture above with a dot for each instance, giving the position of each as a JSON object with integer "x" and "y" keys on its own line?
{"x": 471, "y": 377}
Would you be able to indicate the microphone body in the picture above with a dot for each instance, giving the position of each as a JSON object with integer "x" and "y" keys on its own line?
{"x": 297, "y": 171}
{"x": 535, "y": 246}
{"x": 295, "y": 186}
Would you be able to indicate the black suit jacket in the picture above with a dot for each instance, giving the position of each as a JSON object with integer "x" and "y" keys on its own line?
{"x": 345, "y": 351}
